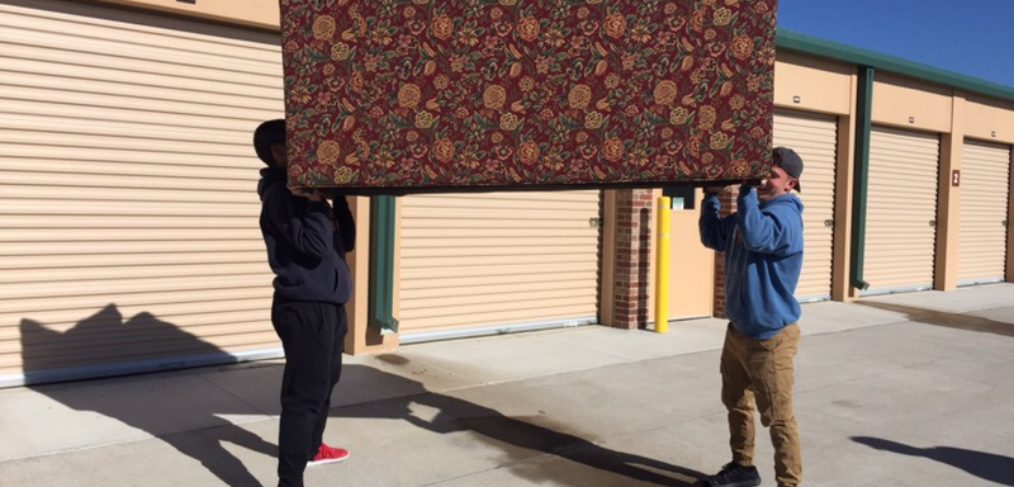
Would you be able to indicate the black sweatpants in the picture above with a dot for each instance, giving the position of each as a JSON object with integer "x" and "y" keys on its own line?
{"x": 312, "y": 335}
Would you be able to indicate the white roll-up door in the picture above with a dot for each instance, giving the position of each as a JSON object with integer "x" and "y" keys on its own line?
{"x": 814, "y": 137}
{"x": 901, "y": 210}
{"x": 982, "y": 246}
{"x": 476, "y": 263}
{"x": 128, "y": 210}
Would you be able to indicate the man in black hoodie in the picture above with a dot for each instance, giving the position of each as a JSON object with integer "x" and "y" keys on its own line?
{"x": 306, "y": 241}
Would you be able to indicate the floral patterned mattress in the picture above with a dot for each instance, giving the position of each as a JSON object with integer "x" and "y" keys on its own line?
{"x": 398, "y": 96}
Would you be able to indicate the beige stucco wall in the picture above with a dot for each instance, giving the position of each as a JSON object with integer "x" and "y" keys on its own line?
{"x": 989, "y": 120}
{"x": 907, "y": 103}
{"x": 945, "y": 268}
{"x": 841, "y": 273}
{"x": 263, "y": 14}
{"x": 812, "y": 84}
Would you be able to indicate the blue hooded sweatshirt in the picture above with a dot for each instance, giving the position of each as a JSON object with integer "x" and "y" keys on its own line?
{"x": 763, "y": 245}
{"x": 306, "y": 242}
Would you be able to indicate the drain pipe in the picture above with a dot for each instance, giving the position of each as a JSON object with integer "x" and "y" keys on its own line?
{"x": 382, "y": 228}
{"x": 864, "y": 117}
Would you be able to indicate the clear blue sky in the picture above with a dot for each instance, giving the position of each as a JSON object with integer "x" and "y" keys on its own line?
{"x": 970, "y": 37}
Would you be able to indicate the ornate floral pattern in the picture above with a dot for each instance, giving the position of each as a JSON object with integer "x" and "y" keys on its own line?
{"x": 417, "y": 94}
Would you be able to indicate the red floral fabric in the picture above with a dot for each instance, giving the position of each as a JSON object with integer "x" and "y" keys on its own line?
{"x": 423, "y": 94}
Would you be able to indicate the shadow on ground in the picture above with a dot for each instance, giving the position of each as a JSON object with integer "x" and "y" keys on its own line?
{"x": 986, "y": 466}
{"x": 958, "y": 321}
{"x": 521, "y": 438}
{"x": 145, "y": 408}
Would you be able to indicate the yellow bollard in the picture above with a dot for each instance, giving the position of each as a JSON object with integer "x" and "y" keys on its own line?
{"x": 662, "y": 266}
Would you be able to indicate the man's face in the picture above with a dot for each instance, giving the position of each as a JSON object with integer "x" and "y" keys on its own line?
{"x": 279, "y": 153}
{"x": 778, "y": 183}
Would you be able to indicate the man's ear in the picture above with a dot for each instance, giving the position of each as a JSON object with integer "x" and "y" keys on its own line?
{"x": 278, "y": 152}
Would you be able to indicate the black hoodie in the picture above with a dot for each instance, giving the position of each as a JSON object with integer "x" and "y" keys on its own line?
{"x": 306, "y": 242}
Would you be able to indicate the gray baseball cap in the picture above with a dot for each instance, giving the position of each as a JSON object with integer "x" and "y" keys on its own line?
{"x": 788, "y": 160}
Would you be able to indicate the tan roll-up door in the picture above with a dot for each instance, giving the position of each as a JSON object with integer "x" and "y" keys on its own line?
{"x": 982, "y": 246}
{"x": 478, "y": 262}
{"x": 901, "y": 210}
{"x": 128, "y": 207}
{"x": 814, "y": 137}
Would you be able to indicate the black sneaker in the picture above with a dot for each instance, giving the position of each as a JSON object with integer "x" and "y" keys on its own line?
{"x": 732, "y": 475}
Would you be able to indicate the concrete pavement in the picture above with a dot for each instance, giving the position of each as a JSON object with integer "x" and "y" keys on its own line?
{"x": 904, "y": 390}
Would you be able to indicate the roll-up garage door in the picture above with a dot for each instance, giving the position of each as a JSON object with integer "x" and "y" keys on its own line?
{"x": 814, "y": 137}
{"x": 901, "y": 210}
{"x": 982, "y": 247}
{"x": 128, "y": 209}
{"x": 478, "y": 263}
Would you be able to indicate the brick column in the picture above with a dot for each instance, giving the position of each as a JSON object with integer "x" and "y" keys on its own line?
{"x": 728, "y": 200}
{"x": 633, "y": 256}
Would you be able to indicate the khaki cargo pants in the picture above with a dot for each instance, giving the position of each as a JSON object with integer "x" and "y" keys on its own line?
{"x": 762, "y": 372}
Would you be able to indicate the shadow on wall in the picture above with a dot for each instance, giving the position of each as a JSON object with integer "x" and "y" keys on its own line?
{"x": 166, "y": 407}
{"x": 986, "y": 466}
{"x": 117, "y": 339}
{"x": 958, "y": 321}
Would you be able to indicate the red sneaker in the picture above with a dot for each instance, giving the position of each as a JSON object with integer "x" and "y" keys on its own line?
{"x": 328, "y": 454}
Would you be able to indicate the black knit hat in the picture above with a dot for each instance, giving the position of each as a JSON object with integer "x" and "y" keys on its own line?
{"x": 267, "y": 134}
{"x": 788, "y": 160}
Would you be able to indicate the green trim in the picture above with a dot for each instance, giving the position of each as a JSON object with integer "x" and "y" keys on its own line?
{"x": 382, "y": 228}
{"x": 794, "y": 41}
{"x": 864, "y": 121}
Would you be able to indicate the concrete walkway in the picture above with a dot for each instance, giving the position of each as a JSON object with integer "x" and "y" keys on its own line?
{"x": 905, "y": 390}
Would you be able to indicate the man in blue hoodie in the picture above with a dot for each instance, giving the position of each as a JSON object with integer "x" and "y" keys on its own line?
{"x": 763, "y": 245}
{"x": 306, "y": 241}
